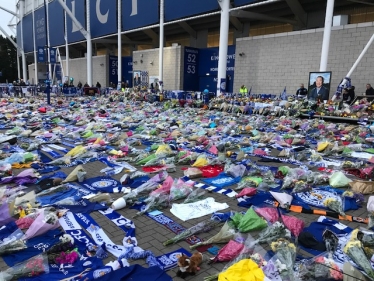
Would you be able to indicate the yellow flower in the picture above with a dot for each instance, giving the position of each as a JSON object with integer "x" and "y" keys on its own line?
{"x": 292, "y": 246}
{"x": 351, "y": 244}
{"x": 274, "y": 246}
{"x": 328, "y": 201}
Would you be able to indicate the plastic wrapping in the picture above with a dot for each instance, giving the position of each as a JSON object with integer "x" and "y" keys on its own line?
{"x": 33, "y": 267}
{"x": 230, "y": 251}
{"x": 338, "y": 180}
{"x": 270, "y": 214}
{"x": 294, "y": 224}
{"x": 179, "y": 190}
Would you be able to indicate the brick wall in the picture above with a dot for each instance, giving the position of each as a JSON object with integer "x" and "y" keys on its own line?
{"x": 272, "y": 62}
{"x": 78, "y": 70}
{"x": 100, "y": 72}
{"x": 173, "y": 69}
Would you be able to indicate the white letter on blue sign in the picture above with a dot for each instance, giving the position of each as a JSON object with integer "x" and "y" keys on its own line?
{"x": 134, "y": 10}
{"x": 74, "y": 27}
{"x": 102, "y": 18}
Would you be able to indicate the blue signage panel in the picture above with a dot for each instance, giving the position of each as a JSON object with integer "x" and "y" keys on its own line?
{"x": 113, "y": 69}
{"x": 185, "y": 8}
{"x": 139, "y": 13}
{"x": 56, "y": 24}
{"x": 126, "y": 70}
{"x": 78, "y": 9}
{"x": 103, "y": 17}
{"x": 28, "y": 34}
{"x": 245, "y": 2}
{"x": 191, "y": 63}
{"x": 209, "y": 61}
{"x": 40, "y": 27}
{"x": 41, "y": 54}
{"x": 52, "y": 55}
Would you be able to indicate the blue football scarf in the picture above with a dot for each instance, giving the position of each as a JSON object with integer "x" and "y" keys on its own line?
{"x": 7, "y": 230}
{"x": 317, "y": 196}
{"x": 42, "y": 169}
{"x": 82, "y": 206}
{"x": 51, "y": 152}
{"x": 35, "y": 246}
{"x": 170, "y": 260}
{"x": 228, "y": 192}
{"x": 134, "y": 272}
{"x": 123, "y": 223}
{"x": 263, "y": 198}
{"x": 44, "y": 158}
{"x": 173, "y": 227}
{"x": 102, "y": 184}
{"x": 222, "y": 180}
{"x": 98, "y": 234}
{"x": 74, "y": 191}
{"x": 57, "y": 272}
{"x": 72, "y": 227}
{"x": 57, "y": 175}
{"x": 136, "y": 182}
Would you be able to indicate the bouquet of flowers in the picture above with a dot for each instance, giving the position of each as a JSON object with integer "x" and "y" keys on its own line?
{"x": 154, "y": 202}
{"x": 46, "y": 220}
{"x": 33, "y": 267}
{"x": 320, "y": 267}
{"x": 286, "y": 253}
{"x": 12, "y": 246}
{"x": 273, "y": 232}
{"x": 353, "y": 249}
{"x": 245, "y": 253}
{"x": 203, "y": 226}
{"x": 223, "y": 236}
{"x": 334, "y": 205}
{"x": 370, "y": 209}
{"x": 301, "y": 186}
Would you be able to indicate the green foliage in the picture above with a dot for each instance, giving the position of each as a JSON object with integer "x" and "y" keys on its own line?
{"x": 8, "y": 60}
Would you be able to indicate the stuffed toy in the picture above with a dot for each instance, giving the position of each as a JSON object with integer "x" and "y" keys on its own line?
{"x": 189, "y": 266}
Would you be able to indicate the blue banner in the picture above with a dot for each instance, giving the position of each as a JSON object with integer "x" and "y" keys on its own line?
{"x": 41, "y": 54}
{"x": 28, "y": 45}
{"x": 78, "y": 9}
{"x": 209, "y": 61}
{"x": 245, "y": 2}
{"x": 52, "y": 55}
{"x": 185, "y": 8}
{"x": 113, "y": 69}
{"x": 58, "y": 72}
{"x": 40, "y": 27}
{"x": 103, "y": 17}
{"x": 139, "y": 13}
{"x": 191, "y": 63}
{"x": 126, "y": 70}
{"x": 56, "y": 24}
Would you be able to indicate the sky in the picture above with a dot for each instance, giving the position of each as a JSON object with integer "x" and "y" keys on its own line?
{"x": 6, "y": 17}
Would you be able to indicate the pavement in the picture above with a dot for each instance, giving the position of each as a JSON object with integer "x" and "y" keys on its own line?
{"x": 151, "y": 235}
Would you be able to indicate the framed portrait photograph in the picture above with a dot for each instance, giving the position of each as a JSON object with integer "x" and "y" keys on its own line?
{"x": 319, "y": 85}
{"x": 137, "y": 78}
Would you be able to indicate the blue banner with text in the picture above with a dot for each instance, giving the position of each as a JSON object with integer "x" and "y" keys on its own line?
{"x": 77, "y": 7}
{"x": 28, "y": 45}
{"x": 56, "y": 24}
{"x": 191, "y": 64}
{"x": 139, "y": 13}
{"x": 103, "y": 17}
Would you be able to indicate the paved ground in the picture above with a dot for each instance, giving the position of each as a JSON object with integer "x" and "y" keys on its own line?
{"x": 151, "y": 235}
